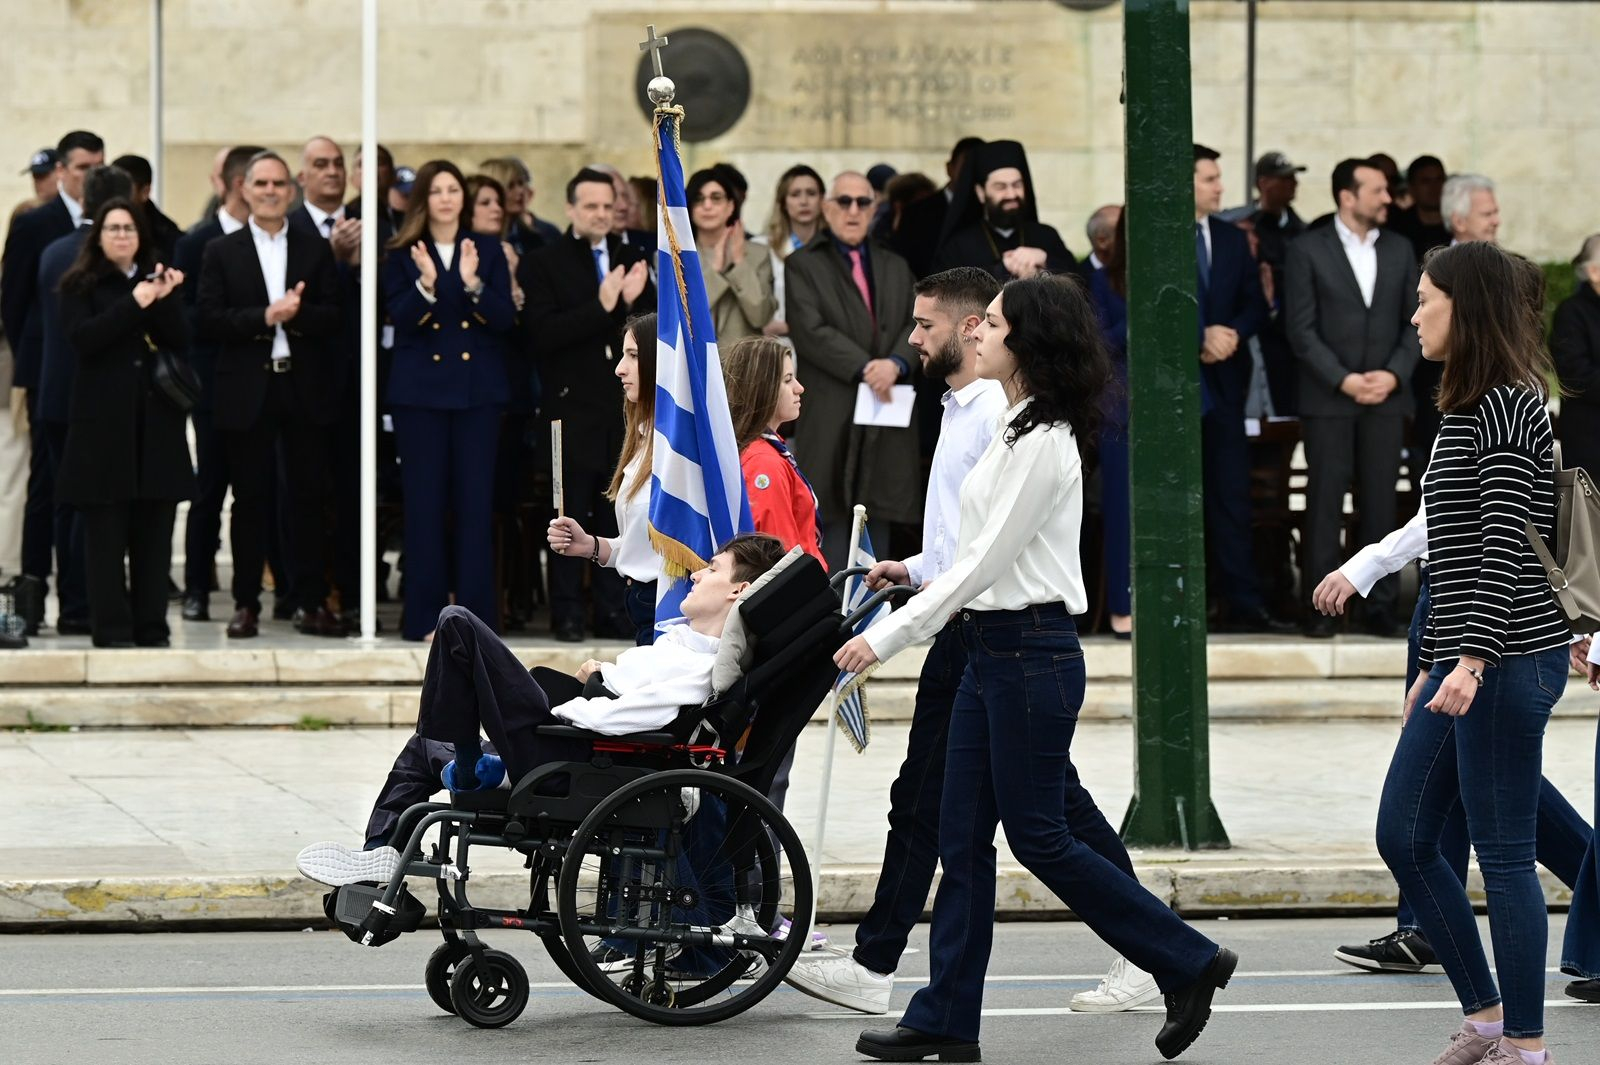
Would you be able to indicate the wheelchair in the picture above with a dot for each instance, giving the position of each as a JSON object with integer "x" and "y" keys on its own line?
{"x": 659, "y": 872}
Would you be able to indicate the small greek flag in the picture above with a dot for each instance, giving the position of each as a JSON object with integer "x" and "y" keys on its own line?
{"x": 697, "y": 495}
{"x": 849, "y": 689}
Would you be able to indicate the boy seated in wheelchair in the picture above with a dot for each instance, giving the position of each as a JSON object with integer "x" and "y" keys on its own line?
{"x": 473, "y": 679}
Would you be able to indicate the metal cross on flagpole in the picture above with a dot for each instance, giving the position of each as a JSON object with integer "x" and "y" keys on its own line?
{"x": 660, "y": 90}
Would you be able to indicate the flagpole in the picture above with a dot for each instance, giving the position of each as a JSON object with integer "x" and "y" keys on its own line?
{"x": 858, "y": 519}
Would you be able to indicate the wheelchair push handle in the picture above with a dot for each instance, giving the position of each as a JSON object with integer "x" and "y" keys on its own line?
{"x": 873, "y": 602}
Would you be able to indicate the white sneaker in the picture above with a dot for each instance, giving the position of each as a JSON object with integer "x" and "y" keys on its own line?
{"x": 336, "y": 865}
{"x": 844, "y": 982}
{"x": 1124, "y": 988}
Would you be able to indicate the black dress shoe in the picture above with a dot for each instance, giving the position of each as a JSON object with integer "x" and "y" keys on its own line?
{"x": 115, "y": 643}
{"x": 1321, "y": 628}
{"x": 319, "y": 622}
{"x": 174, "y": 593}
{"x": 907, "y": 1044}
{"x": 1585, "y": 990}
{"x": 72, "y": 627}
{"x": 196, "y": 607}
{"x": 569, "y": 632}
{"x": 245, "y": 624}
{"x": 154, "y": 641}
{"x": 1189, "y": 1009}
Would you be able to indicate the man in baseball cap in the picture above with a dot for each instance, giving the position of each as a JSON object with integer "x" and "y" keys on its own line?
{"x": 42, "y": 167}
{"x": 400, "y": 191}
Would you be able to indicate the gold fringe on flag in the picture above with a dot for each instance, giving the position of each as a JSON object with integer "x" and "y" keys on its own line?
{"x": 677, "y": 560}
{"x": 859, "y": 681}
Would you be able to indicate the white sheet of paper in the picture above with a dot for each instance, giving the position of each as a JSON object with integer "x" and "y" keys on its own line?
{"x": 895, "y": 414}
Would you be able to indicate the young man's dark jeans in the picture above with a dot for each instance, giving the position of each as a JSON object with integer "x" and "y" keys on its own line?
{"x": 1580, "y": 951}
{"x": 1488, "y": 761}
{"x": 1009, "y": 762}
{"x": 911, "y": 853}
{"x": 1563, "y": 836}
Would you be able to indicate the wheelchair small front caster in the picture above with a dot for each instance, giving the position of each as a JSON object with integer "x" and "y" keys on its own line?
{"x": 492, "y": 997}
{"x": 442, "y": 965}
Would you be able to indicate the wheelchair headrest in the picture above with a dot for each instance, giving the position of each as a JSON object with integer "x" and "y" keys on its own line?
{"x": 776, "y": 596}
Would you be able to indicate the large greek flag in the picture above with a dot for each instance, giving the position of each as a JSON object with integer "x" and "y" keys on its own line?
{"x": 697, "y": 496}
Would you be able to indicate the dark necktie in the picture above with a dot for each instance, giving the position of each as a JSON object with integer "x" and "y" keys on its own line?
{"x": 599, "y": 266}
{"x": 1202, "y": 255}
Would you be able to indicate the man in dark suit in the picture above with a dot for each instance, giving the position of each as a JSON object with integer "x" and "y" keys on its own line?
{"x": 1232, "y": 310}
{"x": 163, "y": 230}
{"x": 77, "y": 153}
{"x": 57, "y": 370}
{"x": 849, "y": 308}
{"x": 580, "y": 291}
{"x": 204, "y": 524}
{"x": 1352, "y": 289}
{"x": 922, "y": 222}
{"x": 269, "y": 298}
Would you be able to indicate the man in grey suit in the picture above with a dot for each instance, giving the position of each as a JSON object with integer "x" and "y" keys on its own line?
{"x": 849, "y": 307}
{"x": 1350, "y": 292}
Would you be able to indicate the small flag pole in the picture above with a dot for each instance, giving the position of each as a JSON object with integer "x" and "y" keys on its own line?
{"x": 557, "y": 488}
{"x": 857, "y": 521}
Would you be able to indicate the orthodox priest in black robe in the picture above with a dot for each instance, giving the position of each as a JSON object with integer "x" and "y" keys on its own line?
{"x": 993, "y": 221}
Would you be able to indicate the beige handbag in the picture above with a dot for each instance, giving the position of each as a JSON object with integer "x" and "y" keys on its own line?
{"x": 1574, "y": 569}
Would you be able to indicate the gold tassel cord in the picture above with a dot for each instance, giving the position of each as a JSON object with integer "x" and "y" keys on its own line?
{"x": 666, "y": 216}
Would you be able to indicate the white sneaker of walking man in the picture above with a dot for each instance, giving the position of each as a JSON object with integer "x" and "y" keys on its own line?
{"x": 1124, "y": 988}
{"x": 843, "y": 981}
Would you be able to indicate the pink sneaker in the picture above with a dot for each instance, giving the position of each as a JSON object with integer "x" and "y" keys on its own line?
{"x": 1503, "y": 1053}
{"x": 1467, "y": 1047}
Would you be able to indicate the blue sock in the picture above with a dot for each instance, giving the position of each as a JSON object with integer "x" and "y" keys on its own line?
{"x": 484, "y": 776}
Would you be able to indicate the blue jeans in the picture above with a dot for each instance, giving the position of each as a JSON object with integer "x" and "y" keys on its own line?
{"x": 1489, "y": 760}
{"x": 1009, "y": 762}
{"x": 1580, "y": 951}
{"x": 911, "y": 852}
{"x": 641, "y": 606}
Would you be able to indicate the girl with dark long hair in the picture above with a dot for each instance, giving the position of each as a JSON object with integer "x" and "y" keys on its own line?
{"x": 1493, "y": 656}
{"x": 1016, "y": 584}
{"x": 629, "y": 552}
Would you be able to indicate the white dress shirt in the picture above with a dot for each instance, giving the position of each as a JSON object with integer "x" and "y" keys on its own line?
{"x": 1205, "y": 235}
{"x": 1021, "y": 513}
{"x": 447, "y": 255}
{"x": 272, "y": 250}
{"x": 323, "y": 218}
{"x": 968, "y": 423}
{"x": 74, "y": 208}
{"x": 631, "y": 553}
{"x": 228, "y": 223}
{"x": 1363, "y": 255}
{"x": 1376, "y": 561}
{"x": 651, "y": 682}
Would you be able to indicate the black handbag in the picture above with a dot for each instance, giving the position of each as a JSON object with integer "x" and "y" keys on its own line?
{"x": 173, "y": 377}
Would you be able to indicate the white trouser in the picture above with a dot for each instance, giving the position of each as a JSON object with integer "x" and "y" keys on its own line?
{"x": 14, "y": 452}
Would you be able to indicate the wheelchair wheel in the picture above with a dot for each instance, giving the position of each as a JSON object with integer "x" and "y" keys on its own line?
{"x": 491, "y": 998}
{"x": 671, "y": 891}
{"x": 441, "y": 967}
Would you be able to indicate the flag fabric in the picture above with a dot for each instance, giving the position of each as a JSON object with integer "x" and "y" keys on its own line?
{"x": 697, "y": 494}
{"x": 849, "y": 689}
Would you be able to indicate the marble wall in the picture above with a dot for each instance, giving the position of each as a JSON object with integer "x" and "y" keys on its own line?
{"x": 1493, "y": 87}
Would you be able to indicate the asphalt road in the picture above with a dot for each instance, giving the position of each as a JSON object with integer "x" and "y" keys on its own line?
{"x": 289, "y": 997}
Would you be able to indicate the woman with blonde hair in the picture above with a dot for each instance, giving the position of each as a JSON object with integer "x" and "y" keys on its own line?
{"x": 796, "y": 219}
{"x": 629, "y": 552}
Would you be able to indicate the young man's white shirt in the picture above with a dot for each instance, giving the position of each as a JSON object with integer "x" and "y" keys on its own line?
{"x": 651, "y": 684}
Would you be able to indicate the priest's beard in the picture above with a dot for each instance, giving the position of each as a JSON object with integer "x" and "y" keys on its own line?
{"x": 945, "y": 361}
{"x": 1006, "y": 214}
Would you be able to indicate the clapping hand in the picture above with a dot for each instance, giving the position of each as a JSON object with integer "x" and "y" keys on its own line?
{"x": 345, "y": 240}
{"x": 733, "y": 246}
{"x": 634, "y": 281}
{"x": 159, "y": 286}
{"x": 611, "y": 288}
{"x": 282, "y": 310}
{"x": 469, "y": 263}
{"x": 427, "y": 272}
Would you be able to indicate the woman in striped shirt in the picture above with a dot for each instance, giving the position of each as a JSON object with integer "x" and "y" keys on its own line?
{"x": 1493, "y": 658}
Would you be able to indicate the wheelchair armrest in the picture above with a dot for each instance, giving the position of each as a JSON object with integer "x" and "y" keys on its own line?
{"x": 572, "y": 732}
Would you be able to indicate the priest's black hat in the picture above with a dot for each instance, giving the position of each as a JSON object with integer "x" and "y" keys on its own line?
{"x": 983, "y": 160}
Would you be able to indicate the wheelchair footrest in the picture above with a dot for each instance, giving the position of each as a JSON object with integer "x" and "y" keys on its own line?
{"x": 357, "y": 910}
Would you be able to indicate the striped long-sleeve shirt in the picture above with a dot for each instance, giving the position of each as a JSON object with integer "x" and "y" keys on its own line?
{"x": 1492, "y": 471}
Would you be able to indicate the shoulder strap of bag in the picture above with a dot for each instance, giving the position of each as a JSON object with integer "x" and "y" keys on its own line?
{"x": 1553, "y": 573}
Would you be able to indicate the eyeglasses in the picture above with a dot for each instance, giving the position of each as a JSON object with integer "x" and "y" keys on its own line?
{"x": 716, "y": 199}
{"x": 847, "y": 202}
{"x": 120, "y": 231}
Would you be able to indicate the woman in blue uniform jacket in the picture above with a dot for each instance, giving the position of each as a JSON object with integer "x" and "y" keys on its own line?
{"x": 448, "y": 293}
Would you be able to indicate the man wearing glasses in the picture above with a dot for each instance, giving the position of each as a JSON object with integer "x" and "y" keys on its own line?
{"x": 849, "y": 308}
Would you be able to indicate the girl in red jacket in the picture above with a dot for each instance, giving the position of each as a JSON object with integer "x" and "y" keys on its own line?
{"x": 763, "y": 393}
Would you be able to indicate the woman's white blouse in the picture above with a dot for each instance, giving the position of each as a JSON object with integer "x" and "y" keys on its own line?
{"x": 1021, "y": 511}
{"x": 631, "y": 553}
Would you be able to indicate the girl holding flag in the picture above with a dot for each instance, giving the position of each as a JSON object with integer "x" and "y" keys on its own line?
{"x": 1016, "y": 583}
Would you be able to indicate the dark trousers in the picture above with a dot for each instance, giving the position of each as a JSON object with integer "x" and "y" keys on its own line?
{"x": 1009, "y": 762}
{"x": 344, "y": 542}
{"x": 252, "y": 457}
{"x": 911, "y": 852}
{"x": 447, "y": 467}
{"x": 67, "y": 537}
{"x": 589, "y": 453}
{"x": 641, "y": 600}
{"x": 203, "y": 528}
{"x": 1487, "y": 760}
{"x": 38, "y": 513}
{"x": 473, "y": 679}
{"x": 131, "y": 610}
{"x": 1225, "y": 465}
{"x": 1363, "y": 450}
{"x": 1580, "y": 951}
{"x": 1116, "y": 520}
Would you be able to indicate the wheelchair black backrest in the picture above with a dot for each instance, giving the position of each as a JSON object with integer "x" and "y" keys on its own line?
{"x": 794, "y": 625}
